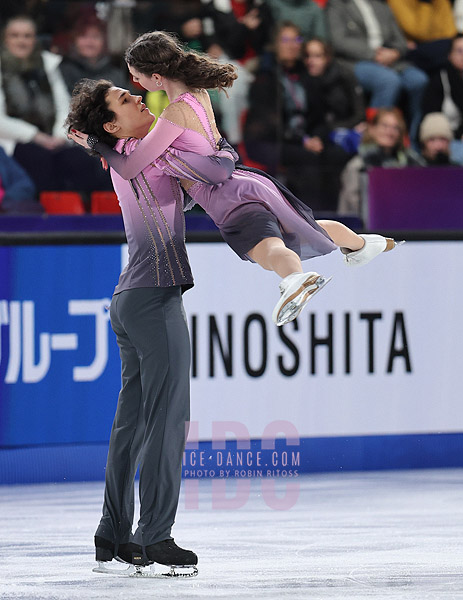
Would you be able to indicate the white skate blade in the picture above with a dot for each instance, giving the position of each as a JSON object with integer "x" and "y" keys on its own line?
{"x": 123, "y": 571}
{"x": 293, "y": 308}
{"x": 394, "y": 245}
{"x": 165, "y": 571}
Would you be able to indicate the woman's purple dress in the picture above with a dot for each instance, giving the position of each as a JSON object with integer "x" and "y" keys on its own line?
{"x": 247, "y": 207}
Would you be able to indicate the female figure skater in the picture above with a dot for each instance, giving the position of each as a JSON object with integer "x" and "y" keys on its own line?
{"x": 258, "y": 217}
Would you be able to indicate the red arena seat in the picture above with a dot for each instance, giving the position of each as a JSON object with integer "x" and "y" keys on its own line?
{"x": 62, "y": 203}
{"x": 104, "y": 203}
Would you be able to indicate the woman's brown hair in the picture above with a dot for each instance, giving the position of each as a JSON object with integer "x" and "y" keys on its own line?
{"x": 326, "y": 47}
{"x": 162, "y": 53}
{"x": 15, "y": 19}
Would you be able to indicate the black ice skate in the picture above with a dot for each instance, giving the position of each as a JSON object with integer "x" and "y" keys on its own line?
{"x": 182, "y": 562}
{"x": 129, "y": 553}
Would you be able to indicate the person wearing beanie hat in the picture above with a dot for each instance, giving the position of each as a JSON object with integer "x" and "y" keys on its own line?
{"x": 435, "y": 138}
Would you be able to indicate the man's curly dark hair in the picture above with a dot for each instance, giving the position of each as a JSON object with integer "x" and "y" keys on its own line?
{"x": 88, "y": 110}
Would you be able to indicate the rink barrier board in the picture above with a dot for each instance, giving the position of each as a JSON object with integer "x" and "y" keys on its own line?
{"x": 60, "y": 369}
{"x": 86, "y": 462}
{"x": 108, "y": 229}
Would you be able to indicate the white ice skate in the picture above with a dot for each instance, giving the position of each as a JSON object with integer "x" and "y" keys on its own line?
{"x": 296, "y": 290}
{"x": 154, "y": 571}
{"x": 374, "y": 245}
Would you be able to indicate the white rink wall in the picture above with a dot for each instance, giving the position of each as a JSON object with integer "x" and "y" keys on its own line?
{"x": 377, "y": 352}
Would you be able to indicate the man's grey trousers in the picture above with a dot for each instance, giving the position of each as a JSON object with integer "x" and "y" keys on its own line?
{"x": 152, "y": 413}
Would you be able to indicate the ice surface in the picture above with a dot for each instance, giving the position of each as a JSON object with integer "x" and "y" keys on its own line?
{"x": 352, "y": 535}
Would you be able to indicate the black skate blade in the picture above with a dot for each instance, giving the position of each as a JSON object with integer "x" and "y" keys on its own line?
{"x": 148, "y": 572}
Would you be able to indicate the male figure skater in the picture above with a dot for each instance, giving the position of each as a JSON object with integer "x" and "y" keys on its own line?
{"x": 148, "y": 319}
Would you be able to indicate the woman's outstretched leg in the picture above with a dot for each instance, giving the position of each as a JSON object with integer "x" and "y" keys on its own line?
{"x": 357, "y": 249}
{"x": 296, "y": 287}
{"x": 272, "y": 255}
{"x": 341, "y": 235}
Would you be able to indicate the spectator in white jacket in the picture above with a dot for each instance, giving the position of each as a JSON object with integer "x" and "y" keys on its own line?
{"x": 458, "y": 15}
{"x": 34, "y": 103}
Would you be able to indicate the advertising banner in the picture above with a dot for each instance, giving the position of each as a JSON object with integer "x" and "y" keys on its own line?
{"x": 59, "y": 367}
{"x": 367, "y": 377}
{"x": 378, "y": 351}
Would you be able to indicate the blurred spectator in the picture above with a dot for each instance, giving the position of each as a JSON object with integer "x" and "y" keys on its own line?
{"x": 383, "y": 146}
{"x": 458, "y": 14}
{"x": 307, "y": 14}
{"x": 445, "y": 94}
{"x": 341, "y": 94}
{"x": 185, "y": 17}
{"x": 34, "y": 96}
{"x": 424, "y": 20}
{"x": 33, "y": 106}
{"x": 119, "y": 16}
{"x": 63, "y": 33}
{"x": 230, "y": 107}
{"x": 147, "y": 15}
{"x": 46, "y": 14}
{"x": 435, "y": 138}
{"x": 242, "y": 26}
{"x": 366, "y": 36}
{"x": 429, "y": 27}
{"x": 17, "y": 191}
{"x": 286, "y": 127}
{"x": 88, "y": 56}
